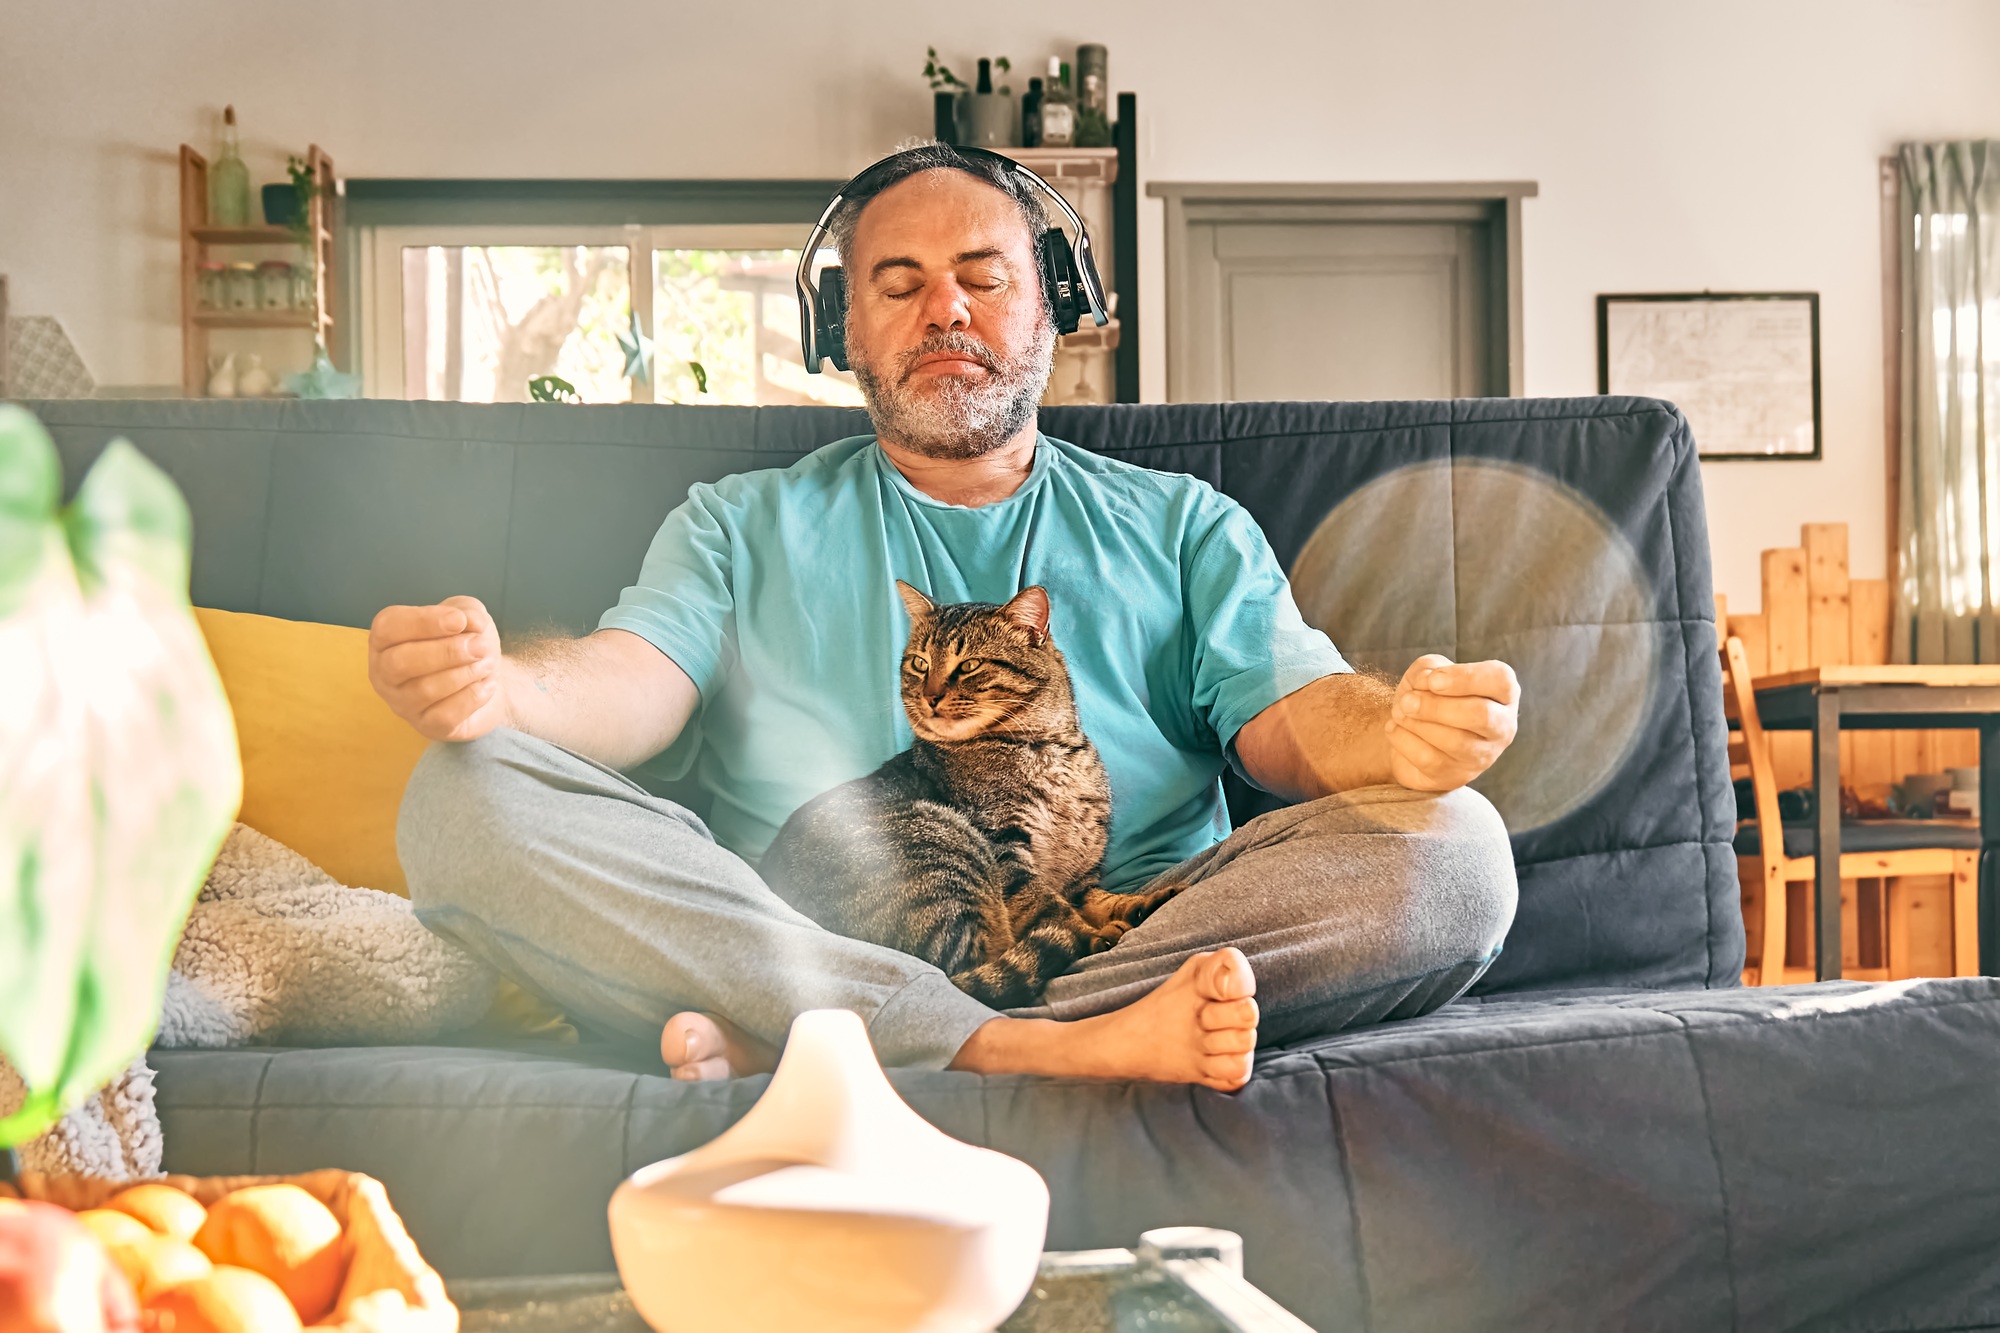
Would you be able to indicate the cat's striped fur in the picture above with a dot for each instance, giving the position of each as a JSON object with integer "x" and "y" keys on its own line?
{"x": 978, "y": 848}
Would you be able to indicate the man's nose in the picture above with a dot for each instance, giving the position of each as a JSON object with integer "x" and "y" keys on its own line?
{"x": 946, "y": 306}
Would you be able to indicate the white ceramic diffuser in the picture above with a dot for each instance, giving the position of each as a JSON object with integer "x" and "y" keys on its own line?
{"x": 830, "y": 1205}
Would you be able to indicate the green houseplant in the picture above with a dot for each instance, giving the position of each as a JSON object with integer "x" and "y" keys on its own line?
{"x": 119, "y": 773}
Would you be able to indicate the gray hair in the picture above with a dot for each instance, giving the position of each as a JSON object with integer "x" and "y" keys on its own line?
{"x": 929, "y": 155}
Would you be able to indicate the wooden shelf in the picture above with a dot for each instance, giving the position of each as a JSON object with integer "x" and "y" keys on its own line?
{"x": 254, "y": 319}
{"x": 244, "y": 235}
{"x": 1068, "y": 164}
{"x": 197, "y": 236}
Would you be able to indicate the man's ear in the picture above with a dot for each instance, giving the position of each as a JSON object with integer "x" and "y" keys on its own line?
{"x": 914, "y": 602}
{"x": 1029, "y": 608}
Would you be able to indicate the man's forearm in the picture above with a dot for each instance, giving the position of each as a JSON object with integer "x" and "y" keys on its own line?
{"x": 611, "y": 696}
{"x": 1329, "y": 736}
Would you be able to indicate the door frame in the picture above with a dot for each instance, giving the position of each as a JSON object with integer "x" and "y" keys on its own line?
{"x": 1497, "y": 204}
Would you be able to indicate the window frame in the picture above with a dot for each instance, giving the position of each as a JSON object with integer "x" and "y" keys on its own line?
{"x": 379, "y": 272}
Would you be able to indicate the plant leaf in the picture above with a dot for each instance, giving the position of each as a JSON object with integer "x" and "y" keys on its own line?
{"x": 119, "y": 773}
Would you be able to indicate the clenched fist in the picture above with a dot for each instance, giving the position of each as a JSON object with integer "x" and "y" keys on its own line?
{"x": 1449, "y": 721}
{"x": 439, "y": 667}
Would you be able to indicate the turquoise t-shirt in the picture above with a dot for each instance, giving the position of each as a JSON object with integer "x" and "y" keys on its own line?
{"x": 775, "y": 592}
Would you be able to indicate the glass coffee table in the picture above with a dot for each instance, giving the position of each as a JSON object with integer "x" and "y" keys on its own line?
{"x": 1177, "y": 1280}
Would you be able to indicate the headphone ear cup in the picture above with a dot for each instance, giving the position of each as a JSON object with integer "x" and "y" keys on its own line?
{"x": 830, "y": 312}
{"x": 1060, "y": 286}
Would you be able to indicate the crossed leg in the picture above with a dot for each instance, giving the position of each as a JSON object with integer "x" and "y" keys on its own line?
{"x": 1375, "y": 904}
{"x": 620, "y": 907}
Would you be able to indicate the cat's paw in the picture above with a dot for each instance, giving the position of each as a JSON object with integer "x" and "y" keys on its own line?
{"x": 1108, "y": 934}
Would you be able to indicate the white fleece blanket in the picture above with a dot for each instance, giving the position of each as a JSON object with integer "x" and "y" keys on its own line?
{"x": 275, "y": 953}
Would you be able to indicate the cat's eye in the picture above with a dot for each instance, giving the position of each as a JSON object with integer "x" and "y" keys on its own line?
{"x": 969, "y": 665}
{"x": 917, "y": 663}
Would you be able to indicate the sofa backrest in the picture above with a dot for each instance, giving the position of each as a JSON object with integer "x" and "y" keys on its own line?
{"x": 1564, "y": 536}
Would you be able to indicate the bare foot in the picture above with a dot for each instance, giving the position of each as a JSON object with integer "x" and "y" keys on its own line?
{"x": 1199, "y": 1026}
{"x": 699, "y": 1046}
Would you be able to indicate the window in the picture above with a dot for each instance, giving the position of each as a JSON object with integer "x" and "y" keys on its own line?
{"x": 473, "y": 313}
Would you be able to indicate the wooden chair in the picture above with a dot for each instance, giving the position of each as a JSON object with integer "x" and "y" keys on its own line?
{"x": 1885, "y": 917}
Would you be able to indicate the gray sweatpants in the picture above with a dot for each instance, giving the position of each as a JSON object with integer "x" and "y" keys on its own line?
{"x": 622, "y": 909}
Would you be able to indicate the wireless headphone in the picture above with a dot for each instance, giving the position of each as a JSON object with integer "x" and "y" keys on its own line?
{"x": 1070, "y": 285}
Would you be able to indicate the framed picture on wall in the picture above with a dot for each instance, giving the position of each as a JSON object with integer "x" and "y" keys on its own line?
{"x": 1742, "y": 366}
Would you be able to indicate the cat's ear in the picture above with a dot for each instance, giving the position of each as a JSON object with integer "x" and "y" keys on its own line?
{"x": 1029, "y": 608}
{"x": 915, "y": 602}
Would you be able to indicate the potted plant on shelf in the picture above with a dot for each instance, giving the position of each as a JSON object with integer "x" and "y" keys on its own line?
{"x": 982, "y": 115}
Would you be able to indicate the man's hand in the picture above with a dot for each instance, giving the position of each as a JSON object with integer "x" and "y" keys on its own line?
{"x": 439, "y": 668}
{"x": 1450, "y": 721}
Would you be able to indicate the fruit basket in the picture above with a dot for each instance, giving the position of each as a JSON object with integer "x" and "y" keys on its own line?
{"x": 387, "y": 1287}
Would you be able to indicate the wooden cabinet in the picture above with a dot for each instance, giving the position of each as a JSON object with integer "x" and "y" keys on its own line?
{"x": 202, "y": 243}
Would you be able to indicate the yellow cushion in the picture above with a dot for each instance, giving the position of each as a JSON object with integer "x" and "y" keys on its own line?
{"x": 325, "y": 762}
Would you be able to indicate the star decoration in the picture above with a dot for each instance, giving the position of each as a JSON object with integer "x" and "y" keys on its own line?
{"x": 638, "y": 349}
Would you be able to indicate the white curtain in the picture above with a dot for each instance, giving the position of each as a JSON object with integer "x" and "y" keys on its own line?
{"x": 1947, "y": 601}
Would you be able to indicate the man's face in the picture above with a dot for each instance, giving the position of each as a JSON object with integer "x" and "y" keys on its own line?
{"x": 946, "y": 330}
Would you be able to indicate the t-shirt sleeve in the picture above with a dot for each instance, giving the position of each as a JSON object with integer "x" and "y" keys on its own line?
{"x": 684, "y": 603}
{"x": 1251, "y": 645}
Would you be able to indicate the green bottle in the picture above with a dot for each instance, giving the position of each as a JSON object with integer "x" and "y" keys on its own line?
{"x": 228, "y": 180}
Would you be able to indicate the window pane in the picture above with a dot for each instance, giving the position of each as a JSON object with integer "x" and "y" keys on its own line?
{"x": 480, "y": 321}
{"x": 736, "y": 314}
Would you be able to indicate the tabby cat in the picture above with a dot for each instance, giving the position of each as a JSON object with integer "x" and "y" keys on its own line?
{"x": 978, "y": 848}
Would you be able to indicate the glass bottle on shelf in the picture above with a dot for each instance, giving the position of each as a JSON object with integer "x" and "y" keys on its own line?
{"x": 240, "y": 286}
{"x": 274, "y": 285}
{"x": 210, "y": 292}
{"x": 1031, "y": 115}
{"x": 228, "y": 180}
{"x": 1093, "y": 97}
{"x": 1058, "y": 107}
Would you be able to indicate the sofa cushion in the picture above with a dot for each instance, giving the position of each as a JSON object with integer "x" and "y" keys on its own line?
{"x": 1780, "y": 1158}
{"x": 324, "y": 760}
{"x": 325, "y": 763}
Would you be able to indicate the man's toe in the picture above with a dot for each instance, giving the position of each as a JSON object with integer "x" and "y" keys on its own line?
{"x": 1226, "y": 975}
{"x": 1229, "y": 1041}
{"x": 1219, "y": 1014}
{"x": 1226, "y": 1072}
{"x": 690, "y": 1037}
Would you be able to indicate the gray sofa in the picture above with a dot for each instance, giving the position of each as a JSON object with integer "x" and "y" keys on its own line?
{"x": 1609, "y": 1133}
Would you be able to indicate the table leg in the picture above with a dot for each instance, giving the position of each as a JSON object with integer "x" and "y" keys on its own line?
{"x": 1826, "y": 822}
{"x": 1989, "y": 845}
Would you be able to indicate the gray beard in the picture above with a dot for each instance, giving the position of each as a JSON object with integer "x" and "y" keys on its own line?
{"x": 957, "y": 418}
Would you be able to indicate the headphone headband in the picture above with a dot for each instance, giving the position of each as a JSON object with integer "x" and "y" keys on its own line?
{"x": 1066, "y": 274}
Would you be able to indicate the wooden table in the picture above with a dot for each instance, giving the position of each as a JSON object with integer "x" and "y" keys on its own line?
{"x": 1825, "y": 699}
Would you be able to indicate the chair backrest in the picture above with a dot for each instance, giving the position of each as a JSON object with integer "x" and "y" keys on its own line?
{"x": 1752, "y": 745}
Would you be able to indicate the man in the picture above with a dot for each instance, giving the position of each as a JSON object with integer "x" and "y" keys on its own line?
{"x": 760, "y": 646}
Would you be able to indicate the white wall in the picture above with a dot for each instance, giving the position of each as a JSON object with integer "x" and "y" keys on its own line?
{"x": 1724, "y": 144}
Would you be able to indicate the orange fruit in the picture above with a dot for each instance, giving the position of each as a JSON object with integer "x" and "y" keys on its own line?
{"x": 283, "y": 1233}
{"x": 151, "y": 1262}
{"x": 113, "y": 1228}
{"x": 161, "y": 1207}
{"x": 228, "y": 1300}
{"x": 160, "y": 1263}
